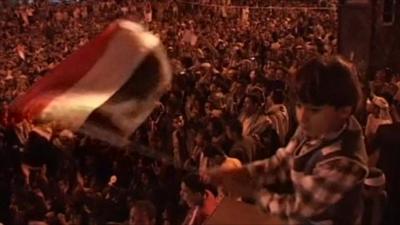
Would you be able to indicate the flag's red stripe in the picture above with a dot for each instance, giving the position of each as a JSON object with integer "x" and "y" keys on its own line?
{"x": 64, "y": 76}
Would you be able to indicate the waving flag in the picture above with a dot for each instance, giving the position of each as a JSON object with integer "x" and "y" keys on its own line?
{"x": 106, "y": 89}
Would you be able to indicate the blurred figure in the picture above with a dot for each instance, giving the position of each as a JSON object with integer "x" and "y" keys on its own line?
{"x": 252, "y": 119}
{"x": 142, "y": 213}
{"x": 374, "y": 197}
{"x": 201, "y": 199}
{"x": 378, "y": 109}
{"x": 385, "y": 153}
{"x": 243, "y": 148}
{"x": 278, "y": 114}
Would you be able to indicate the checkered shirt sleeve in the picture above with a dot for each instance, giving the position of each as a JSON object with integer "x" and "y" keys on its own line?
{"x": 315, "y": 193}
{"x": 274, "y": 169}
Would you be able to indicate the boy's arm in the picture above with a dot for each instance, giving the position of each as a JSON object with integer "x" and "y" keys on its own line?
{"x": 315, "y": 193}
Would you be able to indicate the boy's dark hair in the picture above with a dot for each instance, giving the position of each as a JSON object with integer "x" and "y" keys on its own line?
{"x": 147, "y": 207}
{"x": 254, "y": 98}
{"x": 327, "y": 81}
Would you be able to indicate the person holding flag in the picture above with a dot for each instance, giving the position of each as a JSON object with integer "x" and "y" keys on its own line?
{"x": 317, "y": 178}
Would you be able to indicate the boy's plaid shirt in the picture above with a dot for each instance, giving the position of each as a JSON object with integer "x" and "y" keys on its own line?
{"x": 313, "y": 193}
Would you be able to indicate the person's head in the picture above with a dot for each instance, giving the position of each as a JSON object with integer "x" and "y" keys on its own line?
{"x": 208, "y": 108}
{"x": 276, "y": 97}
{"x": 202, "y": 137}
{"x": 327, "y": 93}
{"x": 234, "y": 129}
{"x": 194, "y": 192}
{"x": 63, "y": 185}
{"x": 279, "y": 75}
{"x": 142, "y": 213}
{"x": 251, "y": 103}
{"x": 215, "y": 127}
{"x": 253, "y": 77}
{"x": 373, "y": 105}
{"x": 379, "y": 107}
{"x": 146, "y": 177}
{"x": 178, "y": 121}
{"x": 215, "y": 156}
{"x": 34, "y": 206}
{"x": 4, "y": 106}
{"x": 380, "y": 76}
{"x": 195, "y": 109}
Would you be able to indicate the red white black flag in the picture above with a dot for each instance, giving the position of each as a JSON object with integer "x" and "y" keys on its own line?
{"x": 106, "y": 89}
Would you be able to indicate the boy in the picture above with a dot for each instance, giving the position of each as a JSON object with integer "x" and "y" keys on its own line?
{"x": 324, "y": 163}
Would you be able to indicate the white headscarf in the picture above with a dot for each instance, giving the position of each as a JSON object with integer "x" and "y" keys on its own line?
{"x": 384, "y": 117}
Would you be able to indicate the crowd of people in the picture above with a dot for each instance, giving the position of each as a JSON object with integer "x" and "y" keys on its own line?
{"x": 230, "y": 104}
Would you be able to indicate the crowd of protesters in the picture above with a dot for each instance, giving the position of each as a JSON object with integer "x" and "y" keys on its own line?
{"x": 229, "y": 104}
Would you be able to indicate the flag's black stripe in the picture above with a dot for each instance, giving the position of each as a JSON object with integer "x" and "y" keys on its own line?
{"x": 142, "y": 82}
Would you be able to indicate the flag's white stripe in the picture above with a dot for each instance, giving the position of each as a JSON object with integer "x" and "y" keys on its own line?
{"x": 119, "y": 113}
{"x": 123, "y": 55}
